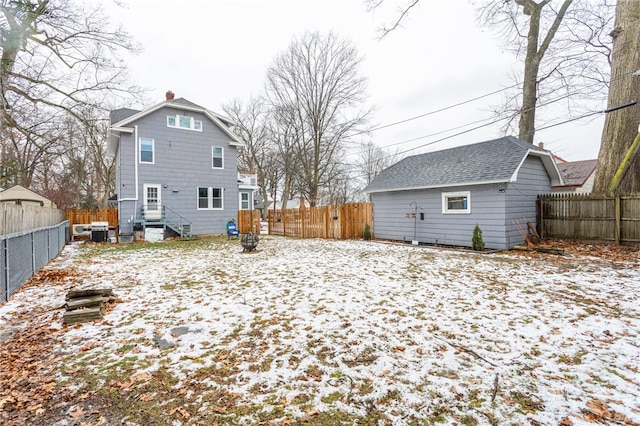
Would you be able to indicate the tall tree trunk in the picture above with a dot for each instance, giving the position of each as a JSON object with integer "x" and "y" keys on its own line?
{"x": 527, "y": 123}
{"x": 535, "y": 52}
{"x": 621, "y": 126}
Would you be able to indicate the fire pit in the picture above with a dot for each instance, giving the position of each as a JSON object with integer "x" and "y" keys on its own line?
{"x": 249, "y": 241}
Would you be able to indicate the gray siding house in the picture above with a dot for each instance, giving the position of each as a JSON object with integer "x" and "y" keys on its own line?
{"x": 176, "y": 169}
{"x": 439, "y": 197}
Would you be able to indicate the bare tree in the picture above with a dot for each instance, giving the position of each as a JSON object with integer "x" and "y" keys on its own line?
{"x": 58, "y": 60}
{"x": 372, "y": 160}
{"x": 563, "y": 49}
{"x": 285, "y": 158}
{"x": 257, "y": 156}
{"x": 621, "y": 126}
{"x": 318, "y": 80}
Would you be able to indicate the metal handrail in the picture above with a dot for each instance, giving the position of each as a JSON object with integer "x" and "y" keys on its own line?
{"x": 175, "y": 216}
{"x": 173, "y": 219}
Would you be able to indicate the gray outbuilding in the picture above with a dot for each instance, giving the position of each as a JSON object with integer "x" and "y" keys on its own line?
{"x": 439, "y": 197}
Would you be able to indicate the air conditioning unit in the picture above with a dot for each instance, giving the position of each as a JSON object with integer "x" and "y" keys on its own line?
{"x": 82, "y": 230}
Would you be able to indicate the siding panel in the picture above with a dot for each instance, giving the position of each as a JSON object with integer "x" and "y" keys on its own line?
{"x": 182, "y": 163}
{"x": 521, "y": 198}
{"x": 390, "y": 211}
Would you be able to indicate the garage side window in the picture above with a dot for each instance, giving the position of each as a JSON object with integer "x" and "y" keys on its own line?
{"x": 456, "y": 202}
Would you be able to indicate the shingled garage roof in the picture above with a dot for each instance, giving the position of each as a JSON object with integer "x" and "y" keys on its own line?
{"x": 492, "y": 161}
{"x": 576, "y": 173}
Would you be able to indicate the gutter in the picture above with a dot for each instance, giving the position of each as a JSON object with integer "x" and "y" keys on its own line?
{"x": 135, "y": 168}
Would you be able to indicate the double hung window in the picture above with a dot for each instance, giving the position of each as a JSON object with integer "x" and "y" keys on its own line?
{"x": 217, "y": 157}
{"x": 244, "y": 201}
{"x": 147, "y": 150}
{"x": 209, "y": 198}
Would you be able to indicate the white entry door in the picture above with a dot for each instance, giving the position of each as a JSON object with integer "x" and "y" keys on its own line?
{"x": 152, "y": 206}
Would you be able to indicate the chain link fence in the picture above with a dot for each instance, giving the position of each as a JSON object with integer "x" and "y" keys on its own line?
{"x": 24, "y": 253}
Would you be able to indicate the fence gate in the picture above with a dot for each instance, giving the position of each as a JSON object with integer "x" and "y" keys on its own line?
{"x": 342, "y": 221}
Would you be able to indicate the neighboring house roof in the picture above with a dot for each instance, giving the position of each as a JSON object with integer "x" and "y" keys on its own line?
{"x": 123, "y": 117}
{"x": 493, "y": 161}
{"x": 120, "y": 114}
{"x": 576, "y": 173}
{"x": 20, "y": 194}
{"x": 292, "y": 203}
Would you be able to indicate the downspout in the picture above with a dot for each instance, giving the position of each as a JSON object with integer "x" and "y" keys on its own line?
{"x": 135, "y": 169}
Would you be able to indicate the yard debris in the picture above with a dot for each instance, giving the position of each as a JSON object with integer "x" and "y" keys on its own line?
{"x": 346, "y": 326}
{"x": 599, "y": 412}
{"x": 541, "y": 249}
{"x": 87, "y": 305}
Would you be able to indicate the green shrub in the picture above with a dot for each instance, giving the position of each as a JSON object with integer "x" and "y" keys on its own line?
{"x": 367, "y": 232}
{"x": 476, "y": 241}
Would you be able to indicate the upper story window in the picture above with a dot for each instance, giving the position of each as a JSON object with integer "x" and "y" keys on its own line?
{"x": 456, "y": 202}
{"x": 147, "y": 150}
{"x": 217, "y": 157}
{"x": 184, "y": 122}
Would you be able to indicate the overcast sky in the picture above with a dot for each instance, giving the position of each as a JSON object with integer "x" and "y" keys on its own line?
{"x": 212, "y": 51}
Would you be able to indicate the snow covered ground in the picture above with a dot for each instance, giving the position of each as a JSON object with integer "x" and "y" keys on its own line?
{"x": 368, "y": 331}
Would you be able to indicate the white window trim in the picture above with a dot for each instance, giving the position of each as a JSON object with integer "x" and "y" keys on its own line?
{"x": 222, "y": 151}
{"x": 209, "y": 198}
{"x": 445, "y": 204}
{"x": 241, "y": 200}
{"x": 193, "y": 122}
{"x": 153, "y": 150}
{"x": 145, "y": 200}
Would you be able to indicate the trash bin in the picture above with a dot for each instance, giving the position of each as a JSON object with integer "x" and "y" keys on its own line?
{"x": 99, "y": 231}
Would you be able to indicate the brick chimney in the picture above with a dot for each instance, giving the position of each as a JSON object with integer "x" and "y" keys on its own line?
{"x": 170, "y": 95}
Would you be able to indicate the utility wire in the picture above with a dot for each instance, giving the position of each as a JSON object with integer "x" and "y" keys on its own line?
{"x": 493, "y": 121}
{"x": 437, "y": 110}
{"x": 636, "y": 73}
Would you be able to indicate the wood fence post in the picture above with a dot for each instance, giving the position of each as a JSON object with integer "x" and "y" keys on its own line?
{"x": 302, "y": 224}
{"x": 617, "y": 220}
{"x": 284, "y": 222}
{"x": 327, "y": 210}
{"x": 540, "y": 220}
{"x": 344, "y": 222}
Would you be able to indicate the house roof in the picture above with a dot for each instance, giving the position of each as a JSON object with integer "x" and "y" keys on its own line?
{"x": 124, "y": 117}
{"x": 493, "y": 161}
{"x": 576, "y": 173}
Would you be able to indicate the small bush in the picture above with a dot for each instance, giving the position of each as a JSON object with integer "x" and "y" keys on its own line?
{"x": 476, "y": 241}
{"x": 367, "y": 232}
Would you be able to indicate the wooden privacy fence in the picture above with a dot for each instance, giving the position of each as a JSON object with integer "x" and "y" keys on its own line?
{"x": 249, "y": 221}
{"x": 334, "y": 221}
{"x": 18, "y": 218}
{"x": 86, "y": 216}
{"x": 590, "y": 217}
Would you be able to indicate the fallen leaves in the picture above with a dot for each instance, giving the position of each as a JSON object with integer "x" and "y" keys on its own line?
{"x": 598, "y": 411}
{"x": 365, "y": 331}
{"x": 28, "y": 355}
